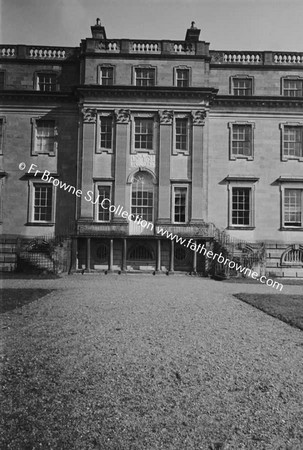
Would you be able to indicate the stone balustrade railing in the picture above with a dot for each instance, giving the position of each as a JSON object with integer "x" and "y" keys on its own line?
{"x": 36, "y": 52}
{"x": 187, "y": 48}
{"x": 288, "y": 58}
{"x": 255, "y": 58}
{"x": 7, "y": 51}
{"x": 146, "y": 47}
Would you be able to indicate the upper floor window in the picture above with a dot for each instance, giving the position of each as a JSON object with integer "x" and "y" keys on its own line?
{"x": 44, "y": 137}
{"x": 2, "y": 125}
{"x": 293, "y": 208}
{"x": 241, "y": 206}
{"x": 292, "y": 87}
{"x": 2, "y": 79}
{"x": 106, "y": 134}
{"x": 144, "y": 134}
{"x": 242, "y": 86}
{"x": 292, "y": 141}
{"x": 241, "y": 140}
{"x": 106, "y": 75}
{"x": 180, "y": 204}
{"x": 104, "y": 198}
{"x": 142, "y": 202}
{"x": 182, "y": 77}
{"x": 145, "y": 77}
{"x": 42, "y": 209}
{"x": 46, "y": 82}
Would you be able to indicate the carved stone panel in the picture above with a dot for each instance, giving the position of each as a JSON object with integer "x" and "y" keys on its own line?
{"x": 199, "y": 117}
{"x": 89, "y": 115}
{"x": 122, "y": 115}
{"x": 143, "y": 160}
{"x": 166, "y": 116}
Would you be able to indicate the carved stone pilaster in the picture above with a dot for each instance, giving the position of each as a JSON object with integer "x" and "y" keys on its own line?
{"x": 199, "y": 117}
{"x": 122, "y": 115}
{"x": 166, "y": 116}
{"x": 89, "y": 115}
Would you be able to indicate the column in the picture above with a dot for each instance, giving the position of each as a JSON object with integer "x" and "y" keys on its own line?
{"x": 111, "y": 255}
{"x": 158, "y": 262}
{"x": 122, "y": 149}
{"x": 195, "y": 259}
{"x": 172, "y": 256}
{"x": 199, "y": 167}
{"x": 88, "y": 148}
{"x": 124, "y": 253}
{"x": 73, "y": 255}
{"x": 166, "y": 121}
{"x": 88, "y": 254}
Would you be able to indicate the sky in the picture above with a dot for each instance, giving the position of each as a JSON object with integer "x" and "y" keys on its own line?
{"x": 227, "y": 24}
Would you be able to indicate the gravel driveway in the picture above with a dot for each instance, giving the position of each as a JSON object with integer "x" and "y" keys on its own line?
{"x": 143, "y": 362}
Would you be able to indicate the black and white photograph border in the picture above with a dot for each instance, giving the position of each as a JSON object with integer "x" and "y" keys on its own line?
{"x": 151, "y": 224}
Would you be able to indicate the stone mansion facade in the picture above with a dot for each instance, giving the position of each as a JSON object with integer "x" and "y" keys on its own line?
{"x": 181, "y": 136}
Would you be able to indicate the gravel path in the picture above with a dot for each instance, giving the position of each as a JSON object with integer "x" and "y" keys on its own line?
{"x": 143, "y": 362}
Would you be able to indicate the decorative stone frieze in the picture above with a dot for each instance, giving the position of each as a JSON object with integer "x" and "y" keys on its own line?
{"x": 122, "y": 115}
{"x": 89, "y": 115}
{"x": 199, "y": 117}
{"x": 166, "y": 116}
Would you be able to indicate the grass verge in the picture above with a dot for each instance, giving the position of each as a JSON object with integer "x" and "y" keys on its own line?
{"x": 11, "y": 299}
{"x": 288, "y": 308}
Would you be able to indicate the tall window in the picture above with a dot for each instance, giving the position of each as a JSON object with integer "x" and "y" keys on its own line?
{"x": 293, "y": 141}
{"x": 145, "y": 77}
{"x": 104, "y": 192}
{"x": 106, "y": 76}
{"x": 241, "y": 206}
{"x": 2, "y": 79}
{"x": 241, "y": 142}
{"x": 46, "y": 82}
{"x": 292, "y": 87}
{"x": 293, "y": 206}
{"x": 144, "y": 129}
{"x": 180, "y": 204}
{"x": 182, "y": 77}
{"x": 106, "y": 124}
{"x": 142, "y": 196}
{"x": 242, "y": 86}
{"x": 1, "y": 134}
{"x": 43, "y": 202}
{"x": 181, "y": 134}
{"x": 45, "y": 136}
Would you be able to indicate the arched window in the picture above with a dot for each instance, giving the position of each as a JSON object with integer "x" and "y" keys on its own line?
{"x": 293, "y": 257}
{"x": 142, "y": 203}
{"x": 140, "y": 253}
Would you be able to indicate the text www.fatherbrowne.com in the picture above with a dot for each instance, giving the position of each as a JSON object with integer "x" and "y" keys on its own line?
{"x": 105, "y": 203}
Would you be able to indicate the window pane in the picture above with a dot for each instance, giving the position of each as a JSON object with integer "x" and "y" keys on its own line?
{"x": 43, "y": 203}
{"x": 103, "y": 212}
{"x": 242, "y": 140}
{"x": 47, "y": 82}
{"x": 242, "y": 86}
{"x": 241, "y": 206}
{"x": 106, "y": 76}
{"x": 293, "y": 207}
{"x": 182, "y": 76}
{"x": 181, "y": 134}
{"x": 45, "y": 136}
{"x": 180, "y": 194}
{"x": 292, "y": 143}
{"x": 106, "y": 132}
{"x": 142, "y": 196}
{"x": 292, "y": 88}
{"x": 144, "y": 134}
{"x": 145, "y": 77}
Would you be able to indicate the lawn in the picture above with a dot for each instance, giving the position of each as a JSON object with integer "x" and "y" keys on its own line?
{"x": 11, "y": 299}
{"x": 288, "y": 308}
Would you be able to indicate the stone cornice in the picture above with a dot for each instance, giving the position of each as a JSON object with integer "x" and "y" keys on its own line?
{"x": 260, "y": 101}
{"x": 150, "y": 92}
{"x": 37, "y": 96}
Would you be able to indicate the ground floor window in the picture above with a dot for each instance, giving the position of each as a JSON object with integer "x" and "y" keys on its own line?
{"x": 293, "y": 207}
{"x": 142, "y": 199}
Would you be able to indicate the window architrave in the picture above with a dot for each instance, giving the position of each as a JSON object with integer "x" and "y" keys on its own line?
{"x": 46, "y": 72}
{"x": 175, "y": 186}
{"x": 241, "y": 77}
{"x": 96, "y": 206}
{"x": 282, "y": 128}
{"x": 144, "y": 115}
{"x": 175, "y": 73}
{"x": 288, "y": 183}
{"x": 144, "y": 66}
{"x": 31, "y": 188}
{"x": 99, "y": 73}
{"x": 35, "y": 122}
{"x": 241, "y": 182}
{"x": 100, "y": 116}
{"x": 188, "y": 150}
{"x": 232, "y": 156}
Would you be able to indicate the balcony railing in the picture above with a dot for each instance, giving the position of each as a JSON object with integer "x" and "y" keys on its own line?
{"x": 36, "y": 52}
{"x": 256, "y": 58}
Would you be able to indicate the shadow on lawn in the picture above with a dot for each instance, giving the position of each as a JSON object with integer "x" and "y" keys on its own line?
{"x": 288, "y": 308}
{"x": 11, "y": 299}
